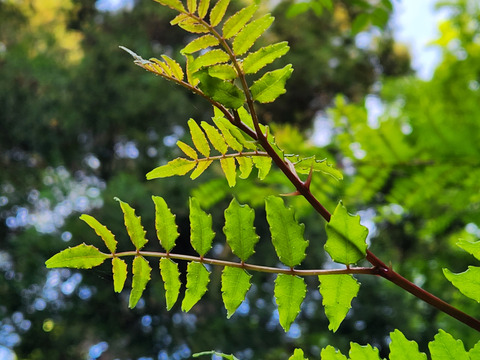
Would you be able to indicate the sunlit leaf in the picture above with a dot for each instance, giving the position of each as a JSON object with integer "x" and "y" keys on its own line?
{"x": 297, "y": 355}
{"x": 360, "y": 23}
{"x": 337, "y": 293}
{"x": 201, "y": 233}
{"x": 223, "y": 125}
{"x": 179, "y": 18}
{"x": 200, "y": 43}
{"x": 222, "y": 71}
{"x": 239, "y": 230}
{"x": 175, "y": 167}
{"x": 402, "y": 349}
{"x": 216, "y": 139}
{"x": 203, "y": 8}
{"x": 191, "y": 153}
{"x": 289, "y": 294}
{"x": 245, "y": 165}
{"x": 468, "y": 282}
{"x": 218, "y": 11}
{"x": 363, "y": 352}
{"x": 266, "y": 55}
{"x": 133, "y": 224}
{"x": 224, "y": 92}
{"x": 194, "y": 26}
{"x": 119, "y": 269}
{"x": 330, "y": 353}
{"x": 236, "y": 22}
{"x": 161, "y": 67}
{"x": 170, "y": 276}
{"x": 303, "y": 166}
{"x": 346, "y": 237}
{"x": 192, "y": 6}
{"x": 230, "y": 170}
{"x": 445, "y": 347}
{"x": 177, "y": 71}
{"x": 271, "y": 85}
{"x": 287, "y": 233}
{"x": 472, "y": 247}
{"x": 212, "y": 57}
{"x": 235, "y": 284}
{"x": 263, "y": 164}
{"x": 141, "y": 276}
{"x": 174, "y": 4}
{"x": 199, "y": 138}
{"x": 474, "y": 352}
{"x": 102, "y": 231}
{"x": 198, "y": 278}
{"x": 167, "y": 229}
{"x": 250, "y": 33}
{"x": 80, "y": 257}
{"x": 201, "y": 167}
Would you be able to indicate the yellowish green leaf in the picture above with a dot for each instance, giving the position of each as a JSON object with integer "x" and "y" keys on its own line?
{"x": 187, "y": 149}
{"x": 250, "y": 33}
{"x": 171, "y": 280}
{"x": 79, "y": 257}
{"x": 174, "y": 4}
{"x": 133, "y": 223}
{"x": 199, "y": 138}
{"x": 218, "y": 11}
{"x": 167, "y": 229}
{"x": 102, "y": 231}
{"x": 289, "y": 294}
{"x": 212, "y": 57}
{"x": 119, "y": 269}
{"x": 203, "y": 8}
{"x": 141, "y": 277}
{"x": 229, "y": 169}
{"x": 192, "y": 6}
{"x": 200, "y": 43}
{"x": 201, "y": 167}
{"x": 266, "y": 55}
{"x": 237, "y": 21}
{"x": 271, "y": 85}
{"x": 223, "y": 71}
{"x": 245, "y": 164}
{"x": 177, "y": 71}
{"x": 198, "y": 278}
{"x": 175, "y": 167}
{"x": 235, "y": 284}
{"x": 201, "y": 233}
{"x": 263, "y": 164}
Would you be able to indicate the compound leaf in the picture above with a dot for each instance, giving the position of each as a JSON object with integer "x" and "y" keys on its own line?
{"x": 239, "y": 230}
{"x": 330, "y": 353}
{"x": 177, "y": 71}
{"x": 297, "y": 355}
{"x": 263, "y": 164}
{"x": 170, "y": 276}
{"x": 141, "y": 276}
{"x": 218, "y": 11}
{"x": 177, "y": 166}
{"x": 337, "y": 293}
{"x": 119, "y": 269}
{"x": 174, "y": 4}
{"x": 289, "y": 294}
{"x": 266, "y": 55}
{"x": 102, "y": 231}
{"x": 401, "y": 348}
{"x": 236, "y": 22}
{"x": 167, "y": 229}
{"x": 201, "y": 233}
{"x": 133, "y": 224}
{"x": 472, "y": 247}
{"x": 79, "y": 257}
{"x": 445, "y": 347}
{"x": 187, "y": 149}
{"x": 346, "y": 237}
{"x": 271, "y": 85}
{"x": 199, "y": 138}
{"x": 468, "y": 282}
{"x": 229, "y": 169}
{"x": 235, "y": 284}
{"x": 358, "y": 352}
{"x": 250, "y": 33}
{"x": 287, "y": 233}
{"x": 198, "y": 278}
{"x": 215, "y": 138}
{"x": 200, "y": 43}
{"x": 201, "y": 167}
{"x": 219, "y": 90}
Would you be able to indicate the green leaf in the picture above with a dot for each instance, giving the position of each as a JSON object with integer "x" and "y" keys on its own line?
{"x": 445, "y": 347}
{"x": 174, "y": 4}
{"x": 201, "y": 167}
{"x": 215, "y": 138}
{"x": 245, "y": 164}
{"x": 402, "y": 349}
{"x": 203, "y": 8}
{"x": 472, "y": 247}
{"x": 178, "y": 166}
{"x": 199, "y": 138}
{"x": 79, "y": 257}
{"x": 119, "y": 268}
{"x": 303, "y": 166}
{"x": 250, "y": 33}
{"x": 229, "y": 169}
{"x": 102, "y": 231}
{"x": 177, "y": 71}
{"x": 231, "y": 140}
{"x": 201, "y": 233}
{"x": 346, "y": 238}
{"x": 224, "y": 92}
{"x": 167, "y": 229}
{"x": 212, "y": 57}
{"x": 161, "y": 67}
{"x": 224, "y": 356}
{"x": 218, "y": 11}
{"x": 474, "y": 352}
{"x": 133, "y": 224}
{"x": 266, "y": 55}
{"x": 235, "y": 284}
{"x": 191, "y": 153}
{"x": 289, "y": 294}
{"x": 223, "y": 71}
{"x": 170, "y": 276}
{"x": 239, "y": 230}
{"x": 237, "y": 21}
{"x": 358, "y": 352}
{"x": 193, "y": 25}
{"x": 360, "y": 23}
{"x": 287, "y": 233}
{"x": 263, "y": 164}
{"x": 141, "y": 276}
{"x": 192, "y": 6}
{"x": 198, "y": 278}
{"x": 468, "y": 282}
{"x": 297, "y": 355}
{"x": 330, "y": 353}
{"x": 271, "y": 85}
{"x": 337, "y": 293}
